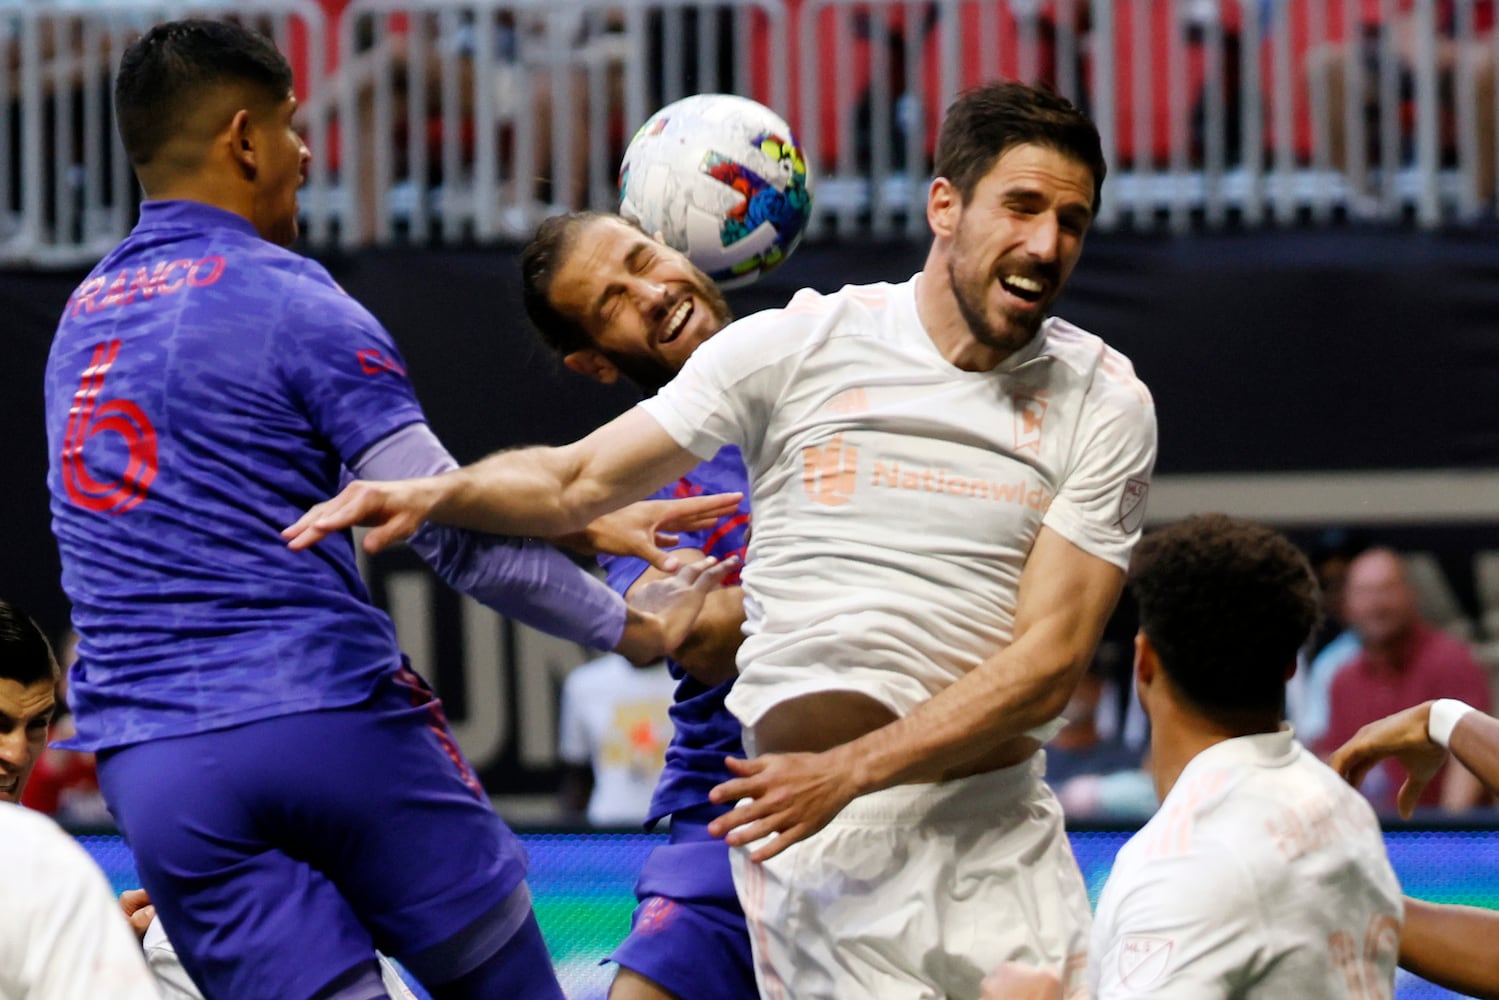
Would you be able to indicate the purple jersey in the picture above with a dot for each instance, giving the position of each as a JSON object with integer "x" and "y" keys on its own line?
{"x": 705, "y": 731}
{"x": 204, "y": 388}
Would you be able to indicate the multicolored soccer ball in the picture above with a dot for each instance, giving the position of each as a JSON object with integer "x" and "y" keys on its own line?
{"x": 723, "y": 180}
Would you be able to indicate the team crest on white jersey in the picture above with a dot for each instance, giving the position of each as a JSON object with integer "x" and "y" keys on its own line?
{"x": 1030, "y": 414}
{"x": 1132, "y": 505}
{"x": 1143, "y": 959}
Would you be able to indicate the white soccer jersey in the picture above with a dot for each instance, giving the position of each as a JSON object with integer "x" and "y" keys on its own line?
{"x": 1263, "y": 875}
{"x": 896, "y": 496}
{"x": 62, "y": 935}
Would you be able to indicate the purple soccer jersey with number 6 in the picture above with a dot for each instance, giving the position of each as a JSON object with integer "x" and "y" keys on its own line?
{"x": 205, "y": 388}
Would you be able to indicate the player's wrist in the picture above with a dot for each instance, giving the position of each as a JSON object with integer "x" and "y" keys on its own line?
{"x": 1442, "y": 718}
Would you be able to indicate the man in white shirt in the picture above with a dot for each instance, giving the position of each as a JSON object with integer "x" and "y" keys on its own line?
{"x": 613, "y": 728}
{"x": 947, "y": 485}
{"x": 1263, "y": 874}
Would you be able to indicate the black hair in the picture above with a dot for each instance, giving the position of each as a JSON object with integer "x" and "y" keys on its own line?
{"x": 164, "y": 74}
{"x": 985, "y": 122}
{"x": 25, "y": 655}
{"x": 1226, "y": 604}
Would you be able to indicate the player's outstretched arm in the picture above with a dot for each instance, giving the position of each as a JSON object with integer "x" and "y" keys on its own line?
{"x": 647, "y": 529}
{"x": 662, "y": 612}
{"x": 1453, "y": 946}
{"x": 1065, "y": 598}
{"x": 1407, "y": 736}
{"x": 533, "y": 491}
{"x": 708, "y": 650}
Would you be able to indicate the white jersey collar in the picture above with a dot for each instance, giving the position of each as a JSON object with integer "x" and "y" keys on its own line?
{"x": 1260, "y": 750}
{"x": 1030, "y": 352}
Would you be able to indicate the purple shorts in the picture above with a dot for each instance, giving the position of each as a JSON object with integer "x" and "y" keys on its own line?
{"x": 281, "y": 853}
{"x": 688, "y": 934}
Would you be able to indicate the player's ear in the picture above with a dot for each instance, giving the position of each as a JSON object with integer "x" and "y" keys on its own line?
{"x": 242, "y": 142}
{"x": 591, "y": 364}
{"x": 1147, "y": 664}
{"x": 943, "y": 204}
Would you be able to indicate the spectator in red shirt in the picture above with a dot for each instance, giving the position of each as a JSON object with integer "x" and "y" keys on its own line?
{"x": 1404, "y": 661}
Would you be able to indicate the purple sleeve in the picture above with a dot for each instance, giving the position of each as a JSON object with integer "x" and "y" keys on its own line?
{"x": 521, "y": 578}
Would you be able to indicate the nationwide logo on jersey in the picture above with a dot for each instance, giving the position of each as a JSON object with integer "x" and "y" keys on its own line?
{"x": 1132, "y": 505}
{"x": 1030, "y": 412}
{"x": 656, "y": 914}
{"x": 1143, "y": 959}
{"x": 830, "y": 472}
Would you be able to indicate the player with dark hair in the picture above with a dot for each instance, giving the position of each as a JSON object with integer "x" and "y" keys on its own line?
{"x": 1261, "y": 874}
{"x": 688, "y": 936}
{"x": 947, "y": 483}
{"x": 28, "y": 698}
{"x": 204, "y": 384}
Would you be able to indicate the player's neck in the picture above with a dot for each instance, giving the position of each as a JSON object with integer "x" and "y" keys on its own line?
{"x": 1178, "y": 734}
{"x": 204, "y": 190}
{"x": 943, "y": 321}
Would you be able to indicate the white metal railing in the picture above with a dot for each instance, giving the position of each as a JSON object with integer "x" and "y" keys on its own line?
{"x": 435, "y": 120}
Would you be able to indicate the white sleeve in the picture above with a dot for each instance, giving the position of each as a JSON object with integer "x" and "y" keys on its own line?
{"x": 78, "y": 945}
{"x": 726, "y": 392}
{"x": 161, "y": 956}
{"x": 1100, "y": 506}
{"x": 1184, "y": 928}
{"x": 572, "y": 729}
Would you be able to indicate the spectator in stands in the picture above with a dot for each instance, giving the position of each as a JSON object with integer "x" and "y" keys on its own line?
{"x": 1333, "y": 645}
{"x": 1330, "y": 70}
{"x": 1096, "y": 775}
{"x": 29, "y": 678}
{"x": 614, "y": 732}
{"x": 1404, "y": 661}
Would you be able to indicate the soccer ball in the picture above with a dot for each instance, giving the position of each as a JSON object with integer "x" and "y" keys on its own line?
{"x": 723, "y": 180}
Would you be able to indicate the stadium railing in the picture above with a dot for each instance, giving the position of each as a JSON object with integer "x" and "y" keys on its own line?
{"x": 435, "y": 120}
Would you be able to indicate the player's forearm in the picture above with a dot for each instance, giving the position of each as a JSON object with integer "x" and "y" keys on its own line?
{"x": 710, "y": 649}
{"x": 1475, "y": 742}
{"x": 526, "y": 580}
{"x": 531, "y": 491}
{"x": 1452, "y": 946}
{"x": 1011, "y": 693}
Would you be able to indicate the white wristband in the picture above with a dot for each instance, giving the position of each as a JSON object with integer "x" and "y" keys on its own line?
{"x": 1445, "y": 712}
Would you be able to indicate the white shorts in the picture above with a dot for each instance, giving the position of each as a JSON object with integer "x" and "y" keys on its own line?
{"x": 920, "y": 891}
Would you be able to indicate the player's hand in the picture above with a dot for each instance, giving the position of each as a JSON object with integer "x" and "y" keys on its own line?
{"x": 645, "y": 529}
{"x": 394, "y": 510}
{"x": 1402, "y": 736}
{"x": 1014, "y": 981}
{"x": 663, "y": 611}
{"x": 793, "y": 795}
{"x": 138, "y": 910}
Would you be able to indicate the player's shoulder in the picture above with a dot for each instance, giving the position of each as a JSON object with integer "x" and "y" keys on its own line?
{"x": 810, "y": 310}
{"x": 27, "y": 837}
{"x": 1105, "y": 369}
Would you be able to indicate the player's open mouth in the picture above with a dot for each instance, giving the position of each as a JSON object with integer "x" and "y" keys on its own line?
{"x": 676, "y": 321}
{"x": 8, "y": 786}
{"x": 1023, "y": 287}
